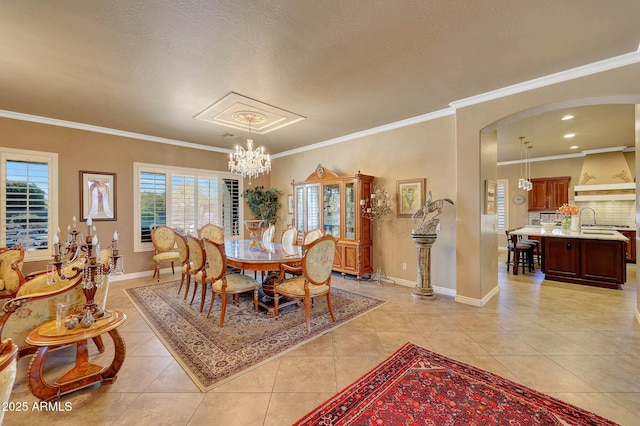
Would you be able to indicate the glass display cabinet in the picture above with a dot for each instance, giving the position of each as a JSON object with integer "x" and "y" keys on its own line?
{"x": 330, "y": 202}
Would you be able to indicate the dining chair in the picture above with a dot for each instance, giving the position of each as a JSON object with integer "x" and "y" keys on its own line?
{"x": 212, "y": 232}
{"x": 316, "y": 266}
{"x": 223, "y": 284}
{"x": 268, "y": 235}
{"x": 289, "y": 236}
{"x": 183, "y": 249}
{"x": 197, "y": 259}
{"x": 164, "y": 242}
{"x": 312, "y": 235}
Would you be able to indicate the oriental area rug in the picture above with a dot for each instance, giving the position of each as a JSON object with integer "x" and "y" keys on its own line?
{"x": 418, "y": 387}
{"x": 212, "y": 355}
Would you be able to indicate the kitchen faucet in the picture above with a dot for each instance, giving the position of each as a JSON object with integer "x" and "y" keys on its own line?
{"x": 580, "y": 216}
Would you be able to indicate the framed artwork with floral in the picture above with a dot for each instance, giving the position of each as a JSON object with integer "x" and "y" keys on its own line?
{"x": 410, "y": 196}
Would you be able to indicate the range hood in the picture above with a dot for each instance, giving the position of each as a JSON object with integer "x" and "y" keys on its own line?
{"x": 605, "y": 177}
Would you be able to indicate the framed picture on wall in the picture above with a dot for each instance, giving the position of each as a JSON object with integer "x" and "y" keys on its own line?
{"x": 97, "y": 195}
{"x": 489, "y": 197}
{"x": 410, "y": 196}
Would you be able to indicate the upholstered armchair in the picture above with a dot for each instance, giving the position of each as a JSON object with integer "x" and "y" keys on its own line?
{"x": 164, "y": 243}
{"x": 268, "y": 235}
{"x": 289, "y": 237}
{"x": 212, "y": 232}
{"x": 183, "y": 249}
{"x": 316, "y": 266}
{"x": 197, "y": 262}
{"x": 36, "y": 300}
{"x": 8, "y": 369}
{"x": 11, "y": 277}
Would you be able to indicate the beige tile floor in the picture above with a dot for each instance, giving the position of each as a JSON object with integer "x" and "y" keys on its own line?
{"x": 580, "y": 344}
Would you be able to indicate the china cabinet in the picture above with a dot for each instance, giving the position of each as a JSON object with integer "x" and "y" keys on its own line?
{"x": 331, "y": 203}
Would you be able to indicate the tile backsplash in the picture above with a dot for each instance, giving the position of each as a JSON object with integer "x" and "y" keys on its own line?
{"x": 607, "y": 213}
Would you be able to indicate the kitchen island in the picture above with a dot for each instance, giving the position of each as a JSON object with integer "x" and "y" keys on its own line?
{"x": 591, "y": 257}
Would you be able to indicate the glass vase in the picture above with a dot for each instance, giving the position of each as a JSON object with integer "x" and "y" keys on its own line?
{"x": 566, "y": 223}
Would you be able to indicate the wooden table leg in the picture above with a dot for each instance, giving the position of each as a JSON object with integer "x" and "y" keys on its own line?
{"x": 81, "y": 375}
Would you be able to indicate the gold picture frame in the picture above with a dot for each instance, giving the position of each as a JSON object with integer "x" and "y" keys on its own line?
{"x": 490, "y": 197}
{"x": 410, "y": 196}
{"x": 98, "y": 196}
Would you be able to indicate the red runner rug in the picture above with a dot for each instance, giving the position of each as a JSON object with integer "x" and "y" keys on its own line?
{"x": 418, "y": 387}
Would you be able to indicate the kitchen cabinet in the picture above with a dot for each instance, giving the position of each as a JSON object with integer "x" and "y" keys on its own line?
{"x": 596, "y": 262}
{"x": 631, "y": 245}
{"x": 331, "y": 203}
{"x": 548, "y": 194}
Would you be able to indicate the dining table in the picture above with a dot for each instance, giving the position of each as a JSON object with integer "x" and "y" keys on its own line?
{"x": 264, "y": 257}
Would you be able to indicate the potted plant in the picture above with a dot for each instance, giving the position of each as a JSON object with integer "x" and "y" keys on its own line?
{"x": 264, "y": 203}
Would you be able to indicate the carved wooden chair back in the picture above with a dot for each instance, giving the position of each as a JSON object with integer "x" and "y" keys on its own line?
{"x": 212, "y": 232}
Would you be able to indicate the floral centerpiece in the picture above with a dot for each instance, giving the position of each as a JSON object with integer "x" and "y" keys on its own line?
{"x": 567, "y": 210}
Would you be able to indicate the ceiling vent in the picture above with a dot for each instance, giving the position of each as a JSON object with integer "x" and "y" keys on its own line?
{"x": 222, "y": 112}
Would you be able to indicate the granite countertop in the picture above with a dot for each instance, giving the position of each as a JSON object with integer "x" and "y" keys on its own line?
{"x": 591, "y": 233}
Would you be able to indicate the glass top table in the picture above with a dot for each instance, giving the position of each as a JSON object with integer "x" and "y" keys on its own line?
{"x": 266, "y": 257}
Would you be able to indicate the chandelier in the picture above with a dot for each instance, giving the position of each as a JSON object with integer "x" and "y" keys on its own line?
{"x": 525, "y": 165}
{"x": 247, "y": 162}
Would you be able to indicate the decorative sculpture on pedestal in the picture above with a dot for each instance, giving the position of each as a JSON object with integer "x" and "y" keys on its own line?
{"x": 376, "y": 209}
{"x": 424, "y": 235}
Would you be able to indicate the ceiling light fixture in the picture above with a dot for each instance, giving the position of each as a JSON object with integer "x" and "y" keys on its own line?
{"x": 567, "y": 117}
{"x": 247, "y": 162}
{"x": 569, "y": 135}
{"x": 525, "y": 168}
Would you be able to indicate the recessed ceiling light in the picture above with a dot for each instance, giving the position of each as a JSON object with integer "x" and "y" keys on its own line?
{"x": 567, "y": 117}
{"x": 569, "y": 135}
{"x": 574, "y": 147}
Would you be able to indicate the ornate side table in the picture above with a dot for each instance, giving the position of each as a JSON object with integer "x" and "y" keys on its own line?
{"x": 48, "y": 336}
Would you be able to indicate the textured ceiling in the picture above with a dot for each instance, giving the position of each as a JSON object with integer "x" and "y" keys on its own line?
{"x": 149, "y": 67}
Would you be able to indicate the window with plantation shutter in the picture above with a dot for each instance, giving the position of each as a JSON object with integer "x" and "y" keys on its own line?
{"x": 185, "y": 200}
{"x": 502, "y": 205}
{"x": 29, "y": 214}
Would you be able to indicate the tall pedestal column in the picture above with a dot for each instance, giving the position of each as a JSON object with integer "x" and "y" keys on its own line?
{"x": 424, "y": 243}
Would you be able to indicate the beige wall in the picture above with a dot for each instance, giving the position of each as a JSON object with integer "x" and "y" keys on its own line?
{"x": 82, "y": 150}
{"x": 425, "y": 150}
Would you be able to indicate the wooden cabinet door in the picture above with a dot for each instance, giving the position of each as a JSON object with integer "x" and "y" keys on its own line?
{"x": 557, "y": 193}
{"x": 538, "y": 195}
{"x": 561, "y": 256}
{"x": 603, "y": 260}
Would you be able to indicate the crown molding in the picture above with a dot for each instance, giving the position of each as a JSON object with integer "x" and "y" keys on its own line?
{"x": 559, "y": 77}
{"x": 106, "y": 130}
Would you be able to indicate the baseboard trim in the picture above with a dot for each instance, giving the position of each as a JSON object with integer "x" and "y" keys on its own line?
{"x": 478, "y": 302}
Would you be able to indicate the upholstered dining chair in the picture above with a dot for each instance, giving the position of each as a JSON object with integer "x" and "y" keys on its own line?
{"x": 289, "y": 236}
{"x": 183, "y": 248}
{"x": 197, "y": 259}
{"x": 311, "y": 236}
{"x": 164, "y": 243}
{"x": 316, "y": 266}
{"x": 8, "y": 370}
{"x": 223, "y": 284}
{"x": 268, "y": 235}
{"x": 212, "y": 232}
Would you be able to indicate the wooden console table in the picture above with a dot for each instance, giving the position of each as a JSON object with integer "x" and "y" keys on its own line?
{"x": 49, "y": 336}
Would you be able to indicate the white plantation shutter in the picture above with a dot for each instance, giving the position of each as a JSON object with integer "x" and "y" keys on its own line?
{"x": 502, "y": 206}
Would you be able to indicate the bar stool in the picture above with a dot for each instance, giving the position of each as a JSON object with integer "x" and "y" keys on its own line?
{"x": 522, "y": 252}
{"x": 536, "y": 248}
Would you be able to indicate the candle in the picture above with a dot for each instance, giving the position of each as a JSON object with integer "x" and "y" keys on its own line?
{"x": 363, "y": 202}
{"x": 68, "y": 228}
{"x": 373, "y": 195}
{"x": 56, "y": 245}
{"x": 89, "y": 223}
{"x": 115, "y": 241}
{"x": 379, "y": 202}
{"x": 95, "y": 240}
{"x": 73, "y": 220}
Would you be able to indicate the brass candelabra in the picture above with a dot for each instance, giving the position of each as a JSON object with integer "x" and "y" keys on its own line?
{"x": 377, "y": 208}
{"x": 78, "y": 256}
